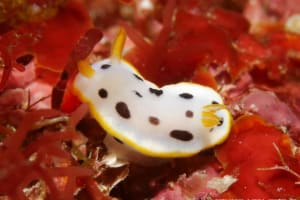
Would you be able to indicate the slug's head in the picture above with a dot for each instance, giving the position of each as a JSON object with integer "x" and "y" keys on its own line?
{"x": 87, "y": 70}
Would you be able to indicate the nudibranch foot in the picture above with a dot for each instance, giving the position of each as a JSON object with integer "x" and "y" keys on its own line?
{"x": 125, "y": 153}
{"x": 176, "y": 120}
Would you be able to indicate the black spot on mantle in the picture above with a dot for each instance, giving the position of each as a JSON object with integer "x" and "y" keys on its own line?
{"x": 122, "y": 110}
{"x": 186, "y": 95}
{"x": 214, "y": 102}
{"x": 138, "y": 94}
{"x": 153, "y": 120}
{"x": 138, "y": 77}
{"x": 105, "y": 66}
{"x": 157, "y": 92}
{"x": 181, "y": 135}
{"x": 102, "y": 93}
{"x": 189, "y": 114}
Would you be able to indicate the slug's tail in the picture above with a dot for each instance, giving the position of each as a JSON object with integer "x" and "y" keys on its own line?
{"x": 209, "y": 117}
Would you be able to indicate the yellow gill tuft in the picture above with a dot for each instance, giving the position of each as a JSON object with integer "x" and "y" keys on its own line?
{"x": 209, "y": 118}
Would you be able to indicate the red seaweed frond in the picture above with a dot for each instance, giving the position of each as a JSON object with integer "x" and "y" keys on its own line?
{"x": 14, "y": 52}
{"x": 167, "y": 24}
{"x": 284, "y": 166}
{"x": 44, "y": 158}
{"x": 81, "y": 50}
{"x": 152, "y": 55}
{"x": 7, "y": 66}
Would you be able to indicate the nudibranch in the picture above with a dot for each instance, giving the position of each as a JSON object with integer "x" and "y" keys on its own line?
{"x": 176, "y": 120}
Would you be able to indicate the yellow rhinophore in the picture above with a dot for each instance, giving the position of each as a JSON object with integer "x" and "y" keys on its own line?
{"x": 85, "y": 68}
{"x": 118, "y": 45}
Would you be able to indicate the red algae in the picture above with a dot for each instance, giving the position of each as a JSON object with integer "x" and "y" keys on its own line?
{"x": 41, "y": 159}
{"x": 187, "y": 42}
{"x": 62, "y": 97}
{"x": 205, "y": 42}
{"x": 75, "y": 22}
{"x": 219, "y": 37}
{"x": 249, "y": 151}
{"x": 151, "y": 58}
{"x": 203, "y": 77}
{"x": 36, "y": 38}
